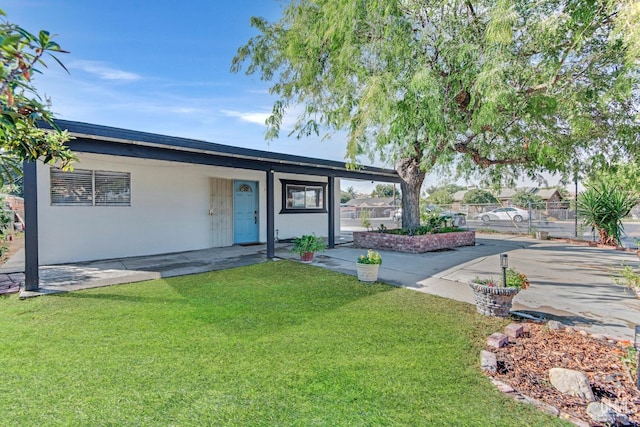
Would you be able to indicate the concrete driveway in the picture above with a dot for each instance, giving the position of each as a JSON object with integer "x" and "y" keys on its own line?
{"x": 569, "y": 282}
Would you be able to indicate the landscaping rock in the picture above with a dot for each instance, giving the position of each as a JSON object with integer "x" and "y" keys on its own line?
{"x": 601, "y": 413}
{"x": 622, "y": 420}
{"x": 497, "y": 340}
{"x": 554, "y": 325}
{"x": 574, "y": 383}
{"x": 599, "y": 337}
{"x": 488, "y": 362}
{"x": 514, "y": 330}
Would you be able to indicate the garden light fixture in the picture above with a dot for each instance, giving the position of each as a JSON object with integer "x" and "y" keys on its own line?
{"x": 504, "y": 263}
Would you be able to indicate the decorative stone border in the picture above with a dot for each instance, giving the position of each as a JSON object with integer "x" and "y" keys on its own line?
{"x": 489, "y": 364}
{"x": 413, "y": 244}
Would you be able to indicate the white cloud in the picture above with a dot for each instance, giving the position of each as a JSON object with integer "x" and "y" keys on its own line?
{"x": 103, "y": 71}
{"x": 251, "y": 117}
{"x": 185, "y": 110}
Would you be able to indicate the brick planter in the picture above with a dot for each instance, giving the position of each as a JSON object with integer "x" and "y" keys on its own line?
{"x": 493, "y": 300}
{"x": 413, "y": 244}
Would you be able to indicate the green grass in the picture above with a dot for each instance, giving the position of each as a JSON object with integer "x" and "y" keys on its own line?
{"x": 279, "y": 343}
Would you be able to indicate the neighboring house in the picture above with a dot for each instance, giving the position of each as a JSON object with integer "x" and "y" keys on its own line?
{"x": 135, "y": 193}
{"x": 548, "y": 195}
{"x": 551, "y": 197}
{"x": 377, "y": 207}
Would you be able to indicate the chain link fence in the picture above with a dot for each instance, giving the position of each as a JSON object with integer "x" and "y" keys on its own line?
{"x": 557, "y": 219}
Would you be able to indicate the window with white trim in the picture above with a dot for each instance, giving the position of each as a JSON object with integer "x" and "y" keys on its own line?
{"x": 303, "y": 197}
{"x": 90, "y": 188}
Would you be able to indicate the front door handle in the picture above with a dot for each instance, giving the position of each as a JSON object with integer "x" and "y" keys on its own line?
{"x": 255, "y": 217}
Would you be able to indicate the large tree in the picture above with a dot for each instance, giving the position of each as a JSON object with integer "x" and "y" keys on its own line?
{"x": 22, "y": 107}
{"x": 496, "y": 87}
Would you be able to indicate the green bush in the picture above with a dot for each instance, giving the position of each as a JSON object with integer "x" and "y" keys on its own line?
{"x": 602, "y": 207}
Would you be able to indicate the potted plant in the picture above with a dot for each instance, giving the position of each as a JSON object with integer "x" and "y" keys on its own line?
{"x": 367, "y": 266}
{"x": 494, "y": 298}
{"x": 307, "y": 245}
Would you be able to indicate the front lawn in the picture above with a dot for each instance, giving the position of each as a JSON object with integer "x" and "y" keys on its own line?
{"x": 279, "y": 343}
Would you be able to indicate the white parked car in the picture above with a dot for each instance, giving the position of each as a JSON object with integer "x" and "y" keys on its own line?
{"x": 504, "y": 214}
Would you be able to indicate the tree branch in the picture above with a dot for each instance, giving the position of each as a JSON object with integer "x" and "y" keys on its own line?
{"x": 484, "y": 161}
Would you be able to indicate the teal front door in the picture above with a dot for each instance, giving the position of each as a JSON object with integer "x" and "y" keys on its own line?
{"x": 245, "y": 212}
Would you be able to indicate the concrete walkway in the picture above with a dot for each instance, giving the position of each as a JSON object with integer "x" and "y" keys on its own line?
{"x": 571, "y": 283}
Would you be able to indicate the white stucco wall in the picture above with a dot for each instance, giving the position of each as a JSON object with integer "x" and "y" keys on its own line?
{"x": 169, "y": 212}
{"x": 290, "y": 225}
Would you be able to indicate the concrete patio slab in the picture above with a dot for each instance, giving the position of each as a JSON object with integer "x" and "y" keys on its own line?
{"x": 572, "y": 283}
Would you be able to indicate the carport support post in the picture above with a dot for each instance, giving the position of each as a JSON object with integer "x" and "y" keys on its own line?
{"x": 636, "y": 344}
{"x": 30, "y": 181}
{"x": 332, "y": 211}
{"x": 271, "y": 251}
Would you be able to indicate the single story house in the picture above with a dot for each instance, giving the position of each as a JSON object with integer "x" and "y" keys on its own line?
{"x": 135, "y": 193}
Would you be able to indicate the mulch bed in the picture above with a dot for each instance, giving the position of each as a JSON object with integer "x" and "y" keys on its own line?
{"x": 525, "y": 364}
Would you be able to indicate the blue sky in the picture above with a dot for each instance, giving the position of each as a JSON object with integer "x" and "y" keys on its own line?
{"x": 159, "y": 67}
{"x": 156, "y": 66}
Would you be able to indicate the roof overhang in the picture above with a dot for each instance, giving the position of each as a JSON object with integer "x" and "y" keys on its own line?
{"x": 98, "y": 139}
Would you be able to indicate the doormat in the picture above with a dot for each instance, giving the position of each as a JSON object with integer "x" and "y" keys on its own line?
{"x": 250, "y": 244}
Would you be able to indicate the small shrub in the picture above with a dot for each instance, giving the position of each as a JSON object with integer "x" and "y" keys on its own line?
{"x": 628, "y": 277}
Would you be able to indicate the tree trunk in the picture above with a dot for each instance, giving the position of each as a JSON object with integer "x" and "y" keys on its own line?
{"x": 412, "y": 177}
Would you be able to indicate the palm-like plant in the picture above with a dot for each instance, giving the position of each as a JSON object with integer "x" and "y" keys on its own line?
{"x": 603, "y": 206}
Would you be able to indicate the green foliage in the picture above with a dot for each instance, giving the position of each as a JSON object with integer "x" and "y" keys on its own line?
{"x": 365, "y": 220}
{"x": 449, "y": 188}
{"x": 16, "y": 188}
{"x": 522, "y": 198}
{"x": 629, "y": 277}
{"x": 515, "y": 279}
{"x": 494, "y": 89}
{"x": 478, "y": 196}
{"x": 348, "y": 194}
{"x": 625, "y": 175}
{"x": 372, "y": 257}
{"x": 432, "y": 219}
{"x": 602, "y": 206}
{"x": 278, "y": 343}
{"x": 432, "y": 223}
{"x": 440, "y": 197}
{"x": 22, "y": 106}
{"x": 385, "y": 190}
{"x": 308, "y": 243}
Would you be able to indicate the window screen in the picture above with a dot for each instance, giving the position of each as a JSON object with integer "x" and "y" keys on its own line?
{"x": 90, "y": 188}
{"x": 72, "y": 188}
{"x": 112, "y": 188}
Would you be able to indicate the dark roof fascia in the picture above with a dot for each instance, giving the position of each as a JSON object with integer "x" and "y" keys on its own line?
{"x": 100, "y": 139}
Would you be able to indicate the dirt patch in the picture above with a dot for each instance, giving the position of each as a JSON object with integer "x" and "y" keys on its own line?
{"x": 14, "y": 245}
{"x": 610, "y": 366}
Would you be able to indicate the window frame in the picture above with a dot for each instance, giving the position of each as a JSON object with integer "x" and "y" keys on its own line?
{"x": 308, "y": 186}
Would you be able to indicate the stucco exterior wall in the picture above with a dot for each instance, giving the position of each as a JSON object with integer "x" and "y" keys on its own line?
{"x": 290, "y": 225}
{"x": 169, "y": 212}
